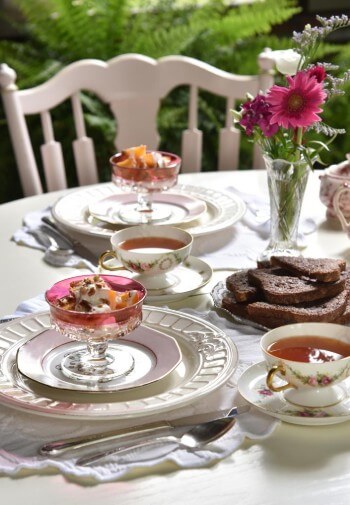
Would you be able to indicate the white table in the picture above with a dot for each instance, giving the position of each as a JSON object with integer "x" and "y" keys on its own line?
{"x": 297, "y": 464}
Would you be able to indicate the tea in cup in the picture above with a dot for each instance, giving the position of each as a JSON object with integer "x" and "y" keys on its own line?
{"x": 151, "y": 252}
{"x": 333, "y": 186}
{"x": 311, "y": 359}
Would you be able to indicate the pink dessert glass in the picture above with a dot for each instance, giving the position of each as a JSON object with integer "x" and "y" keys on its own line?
{"x": 145, "y": 182}
{"x": 98, "y": 359}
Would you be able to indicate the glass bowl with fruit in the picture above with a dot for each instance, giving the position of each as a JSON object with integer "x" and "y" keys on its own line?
{"x": 145, "y": 172}
{"x": 96, "y": 309}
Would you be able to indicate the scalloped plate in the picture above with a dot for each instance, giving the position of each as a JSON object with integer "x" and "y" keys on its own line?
{"x": 72, "y": 210}
{"x": 209, "y": 358}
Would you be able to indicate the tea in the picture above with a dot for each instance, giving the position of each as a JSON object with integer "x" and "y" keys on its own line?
{"x": 152, "y": 244}
{"x": 310, "y": 349}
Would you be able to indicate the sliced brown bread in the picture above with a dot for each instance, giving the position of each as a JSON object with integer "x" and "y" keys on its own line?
{"x": 320, "y": 311}
{"x": 239, "y": 285}
{"x": 344, "y": 318}
{"x": 321, "y": 269}
{"x": 277, "y": 287}
{"x": 230, "y": 303}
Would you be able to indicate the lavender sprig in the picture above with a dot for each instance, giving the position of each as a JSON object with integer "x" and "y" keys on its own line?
{"x": 336, "y": 83}
{"x": 327, "y": 130}
{"x": 308, "y": 41}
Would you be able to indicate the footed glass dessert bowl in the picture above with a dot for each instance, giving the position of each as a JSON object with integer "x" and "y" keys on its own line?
{"x": 96, "y": 309}
{"x": 145, "y": 172}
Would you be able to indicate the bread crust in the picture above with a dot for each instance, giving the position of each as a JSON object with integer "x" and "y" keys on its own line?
{"x": 323, "y": 311}
{"x": 321, "y": 269}
{"x": 238, "y": 284}
{"x": 280, "y": 288}
{"x": 282, "y": 294}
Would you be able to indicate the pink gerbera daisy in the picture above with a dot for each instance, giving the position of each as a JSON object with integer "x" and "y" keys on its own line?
{"x": 298, "y": 105}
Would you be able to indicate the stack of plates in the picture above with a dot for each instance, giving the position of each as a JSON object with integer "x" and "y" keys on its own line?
{"x": 93, "y": 209}
{"x": 178, "y": 360}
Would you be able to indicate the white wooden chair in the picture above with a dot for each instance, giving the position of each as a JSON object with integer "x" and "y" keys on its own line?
{"x": 133, "y": 85}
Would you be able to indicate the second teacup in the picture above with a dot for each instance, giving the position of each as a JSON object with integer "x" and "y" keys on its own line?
{"x": 150, "y": 251}
{"x": 312, "y": 359}
{"x": 333, "y": 182}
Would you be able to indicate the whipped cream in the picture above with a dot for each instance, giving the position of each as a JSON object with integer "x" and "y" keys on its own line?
{"x": 93, "y": 294}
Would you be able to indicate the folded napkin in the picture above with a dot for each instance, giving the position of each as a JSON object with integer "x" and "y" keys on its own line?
{"x": 240, "y": 245}
{"x": 257, "y": 217}
{"x": 32, "y": 222}
{"x": 23, "y": 433}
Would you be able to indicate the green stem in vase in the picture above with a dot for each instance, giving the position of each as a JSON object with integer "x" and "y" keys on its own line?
{"x": 287, "y": 182}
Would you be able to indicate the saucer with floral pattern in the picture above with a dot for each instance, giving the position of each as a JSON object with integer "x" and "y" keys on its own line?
{"x": 252, "y": 386}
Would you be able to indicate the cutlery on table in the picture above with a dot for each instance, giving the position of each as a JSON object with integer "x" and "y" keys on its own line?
{"x": 58, "y": 447}
{"x": 196, "y": 438}
{"x": 77, "y": 246}
{"x": 51, "y": 245}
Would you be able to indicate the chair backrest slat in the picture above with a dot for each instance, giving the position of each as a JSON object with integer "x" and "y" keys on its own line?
{"x": 133, "y": 86}
{"x": 78, "y": 116}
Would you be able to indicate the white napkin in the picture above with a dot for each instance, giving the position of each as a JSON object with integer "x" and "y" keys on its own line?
{"x": 240, "y": 245}
{"x": 23, "y": 433}
{"x": 32, "y": 222}
{"x": 257, "y": 217}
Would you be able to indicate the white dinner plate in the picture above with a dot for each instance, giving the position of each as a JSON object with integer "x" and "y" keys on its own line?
{"x": 209, "y": 357}
{"x": 252, "y": 386}
{"x": 188, "y": 278}
{"x": 182, "y": 208}
{"x": 72, "y": 210}
{"x": 155, "y": 355}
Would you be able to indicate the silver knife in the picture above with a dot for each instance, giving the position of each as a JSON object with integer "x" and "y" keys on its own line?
{"x": 58, "y": 447}
{"x": 78, "y": 247}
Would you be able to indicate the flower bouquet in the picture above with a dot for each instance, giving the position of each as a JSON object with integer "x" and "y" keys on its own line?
{"x": 280, "y": 119}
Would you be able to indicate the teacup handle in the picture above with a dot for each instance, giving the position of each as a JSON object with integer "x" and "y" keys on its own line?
{"x": 270, "y": 376}
{"x": 336, "y": 204}
{"x": 110, "y": 255}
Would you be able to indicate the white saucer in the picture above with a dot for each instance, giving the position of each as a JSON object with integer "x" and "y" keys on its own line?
{"x": 252, "y": 386}
{"x": 182, "y": 208}
{"x": 156, "y": 355}
{"x": 187, "y": 278}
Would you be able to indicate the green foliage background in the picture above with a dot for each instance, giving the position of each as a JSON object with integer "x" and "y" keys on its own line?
{"x": 58, "y": 32}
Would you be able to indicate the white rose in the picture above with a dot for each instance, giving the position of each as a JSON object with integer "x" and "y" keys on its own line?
{"x": 287, "y": 61}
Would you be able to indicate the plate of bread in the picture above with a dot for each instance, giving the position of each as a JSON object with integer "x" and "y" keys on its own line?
{"x": 289, "y": 289}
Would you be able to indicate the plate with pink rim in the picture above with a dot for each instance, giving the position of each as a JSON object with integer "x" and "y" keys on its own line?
{"x": 183, "y": 208}
{"x": 252, "y": 386}
{"x": 155, "y": 355}
{"x": 208, "y": 360}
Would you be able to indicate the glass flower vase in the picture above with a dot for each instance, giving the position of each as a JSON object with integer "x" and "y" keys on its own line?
{"x": 287, "y": 182}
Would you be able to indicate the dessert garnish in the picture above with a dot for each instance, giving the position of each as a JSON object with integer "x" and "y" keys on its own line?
{"x": 93, "y": 294}
{"x": 139, "y": 157}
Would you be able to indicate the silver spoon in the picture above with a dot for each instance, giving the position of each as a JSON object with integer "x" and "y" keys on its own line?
{"x": 195, "y": 438}
{"x": 53, "y": 250}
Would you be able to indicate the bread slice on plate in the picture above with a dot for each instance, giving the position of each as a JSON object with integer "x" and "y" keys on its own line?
{"x": 230, "y": 303}
{"x": 280, "y": 288}
{"x": 325, "y": 310}
{"x": 321, "y": 269}
{"x": 238, "y": 284}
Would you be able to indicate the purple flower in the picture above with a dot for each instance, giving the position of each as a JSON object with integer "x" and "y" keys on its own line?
{"x": 326, "y": 380}
{"x": 256, "y": 112}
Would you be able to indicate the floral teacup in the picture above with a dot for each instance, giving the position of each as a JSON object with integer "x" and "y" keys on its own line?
{"x": 313, "y": 383}
{"x": 150, "y": 252}
{"x": 332, "y": 180}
